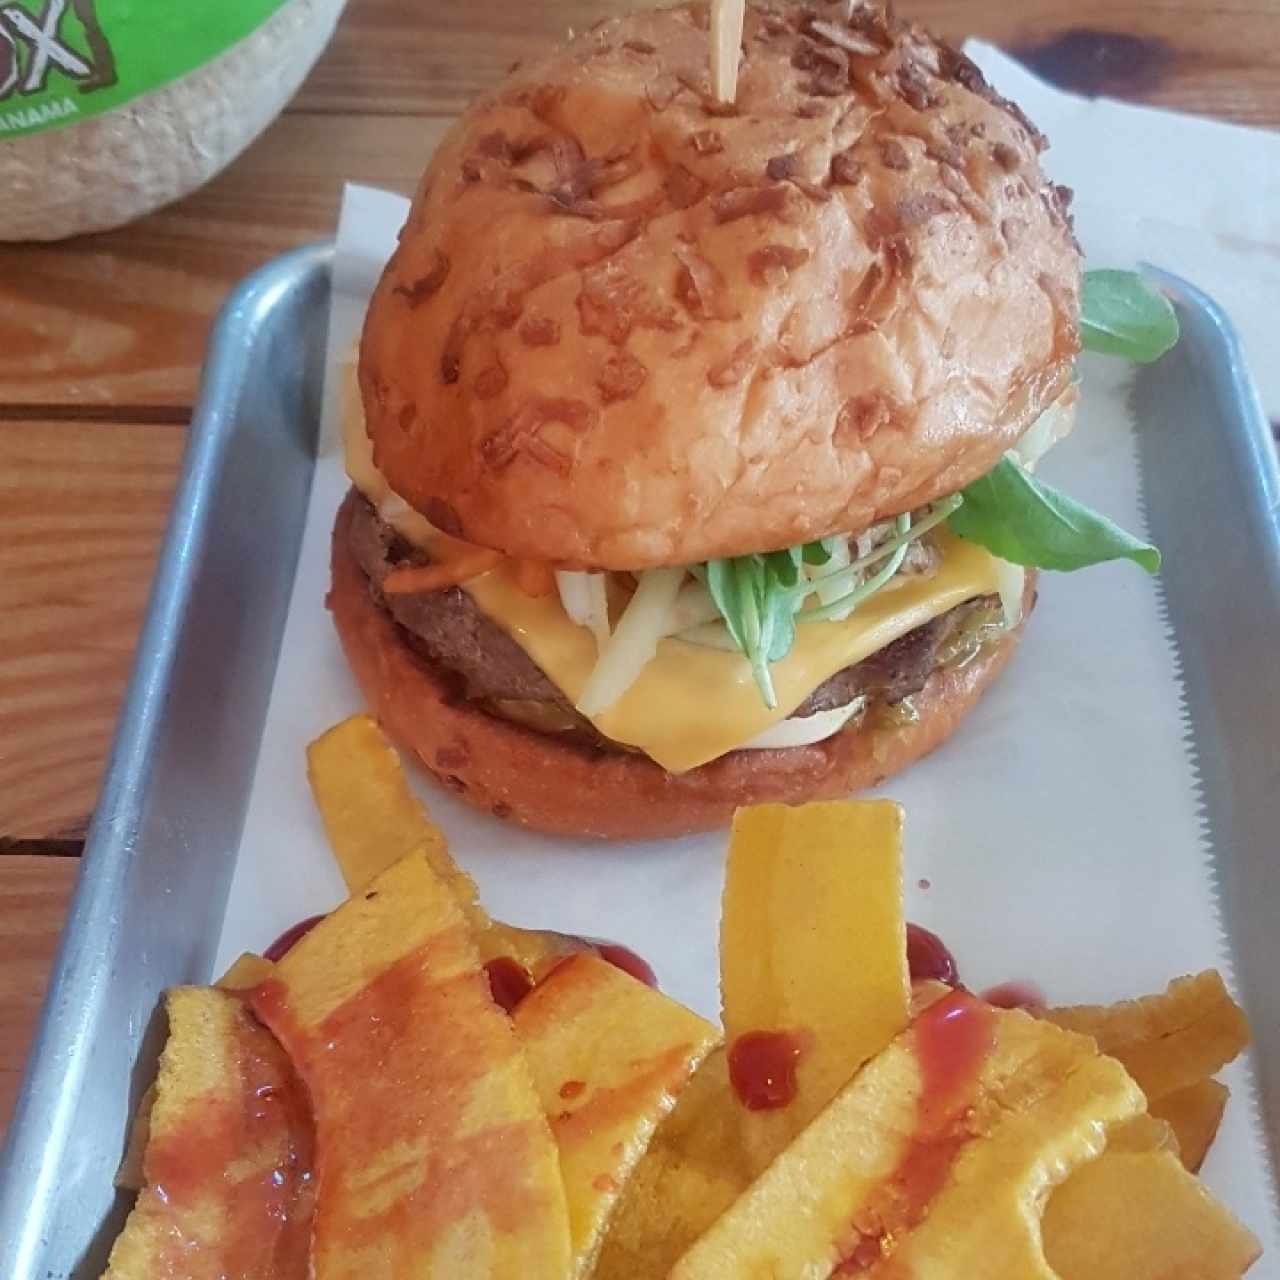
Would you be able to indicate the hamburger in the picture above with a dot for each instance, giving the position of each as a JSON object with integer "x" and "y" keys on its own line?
{"x": 694, "y": 461}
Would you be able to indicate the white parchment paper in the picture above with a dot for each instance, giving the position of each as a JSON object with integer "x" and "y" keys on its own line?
{"x": 1057, "y": 838}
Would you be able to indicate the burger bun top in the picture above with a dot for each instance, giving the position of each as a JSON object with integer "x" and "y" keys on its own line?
{"x": 627, "y": 326}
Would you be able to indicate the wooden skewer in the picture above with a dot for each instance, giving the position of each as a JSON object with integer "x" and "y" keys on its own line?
{"x": 726, "y": 47}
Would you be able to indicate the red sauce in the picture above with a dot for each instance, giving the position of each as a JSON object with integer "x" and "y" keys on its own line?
{"x": 929, "y": 958}
{"x": 647, "y": 1081}
{"x": 762, "y": 1068}
{"x": 414, "y": 1053}
{"x": 951, "y": 1040}
{"x": 572, "y": 1089}
{"x": 625, "y": 959}
{"x": 243, "y": 1150}
{"x": 290, "y": 938}
{"x": 509, "y": 981}
{"x": 1016, "y": 995}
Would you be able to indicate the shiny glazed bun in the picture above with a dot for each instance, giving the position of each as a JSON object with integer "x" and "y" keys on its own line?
{"x": 540, "y": 781}
{"x": 627, "y": 327}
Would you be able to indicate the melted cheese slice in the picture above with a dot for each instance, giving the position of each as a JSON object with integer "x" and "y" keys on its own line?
{"x": 690, "y": 704}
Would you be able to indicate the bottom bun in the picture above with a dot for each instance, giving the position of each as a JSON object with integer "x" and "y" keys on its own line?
{"x": 541, "y": 782}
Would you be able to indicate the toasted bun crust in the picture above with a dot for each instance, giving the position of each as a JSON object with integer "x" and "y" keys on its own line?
{"x": 624, "y": 328}
{"x": 541, "y": 782}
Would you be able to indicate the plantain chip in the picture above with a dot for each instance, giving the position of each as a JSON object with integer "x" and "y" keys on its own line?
{"x": 246, "y": 972}
{"x": 1139, "y": 1215}
{"x": 373, "y": 819}
{"x": 130, "y": 1175}
{"x": 813, "y": 946}
{"x": 608, "y": 1056}
{"x": 1143, "y": 1133}
{"x": 536, "y": 951}
{"x": 227, "y": 1163}
{"x": 433, "y": 1153}
{"x": 1194, "y": 1114}
{"x": 692, "y": 1171}
{"x": 371, "y": 815}
{"x": 861, "y": 1188}
{"x": 1166, "y": 1041}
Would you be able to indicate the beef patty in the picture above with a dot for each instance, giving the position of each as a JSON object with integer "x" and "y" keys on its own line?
{"x": 449, "y": 630}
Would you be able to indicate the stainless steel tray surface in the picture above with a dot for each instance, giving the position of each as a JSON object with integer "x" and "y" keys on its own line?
{"x": 157, "y": 865}
{"x": 148, "y": 908}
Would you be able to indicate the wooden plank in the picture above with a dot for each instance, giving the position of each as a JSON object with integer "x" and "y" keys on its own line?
{"x": 34, "y": 893}
{"x": 123, "y": 319}
{"x": 82, "y": 510}
{"x": 431, "y": 57}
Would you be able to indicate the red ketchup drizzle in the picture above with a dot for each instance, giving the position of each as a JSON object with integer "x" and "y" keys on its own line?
{"x": 762, "y": 1068}
{"x": 290, "y": 938}
{"x": 1016, "y": 995}
{"x": 375, "y": 1072}
{"x": 509, "y": 981}
{"x": 265, "y": 1214}
{"x": 928, "y": 957}
{"x": 951, "y": 1041}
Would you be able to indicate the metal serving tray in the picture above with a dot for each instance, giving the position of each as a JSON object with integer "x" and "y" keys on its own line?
{"x": 157, "y": 865}
{"x": 160, "y": 854}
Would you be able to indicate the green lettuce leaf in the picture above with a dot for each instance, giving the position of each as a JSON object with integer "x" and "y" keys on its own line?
{"x": 1025, "y": 521}
{"x": 1122, "y": 315}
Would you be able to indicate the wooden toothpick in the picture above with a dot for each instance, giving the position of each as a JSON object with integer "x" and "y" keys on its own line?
{"x": 726, "y": 47}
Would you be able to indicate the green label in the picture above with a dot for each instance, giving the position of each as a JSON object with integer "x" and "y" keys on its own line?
{"x": 65, "y": 60}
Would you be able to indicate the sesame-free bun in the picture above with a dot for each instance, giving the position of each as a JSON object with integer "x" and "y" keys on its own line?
{"x": 627, "y": 327}
{"x": 544, "y": 782}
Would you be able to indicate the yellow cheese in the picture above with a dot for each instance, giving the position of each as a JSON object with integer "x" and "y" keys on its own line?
{"x": 692, "y": 704}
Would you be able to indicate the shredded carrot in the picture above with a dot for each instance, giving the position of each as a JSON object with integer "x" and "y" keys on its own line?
{"x": 440, "y": 573}
{"x": 535, "y": 577}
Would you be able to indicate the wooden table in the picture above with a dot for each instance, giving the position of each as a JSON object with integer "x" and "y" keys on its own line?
{"x": 101, "y": 342}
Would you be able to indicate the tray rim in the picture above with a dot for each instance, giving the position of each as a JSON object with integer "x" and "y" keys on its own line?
{"x": 1221, "y": 762}
{"x": 1255, "y": 427}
